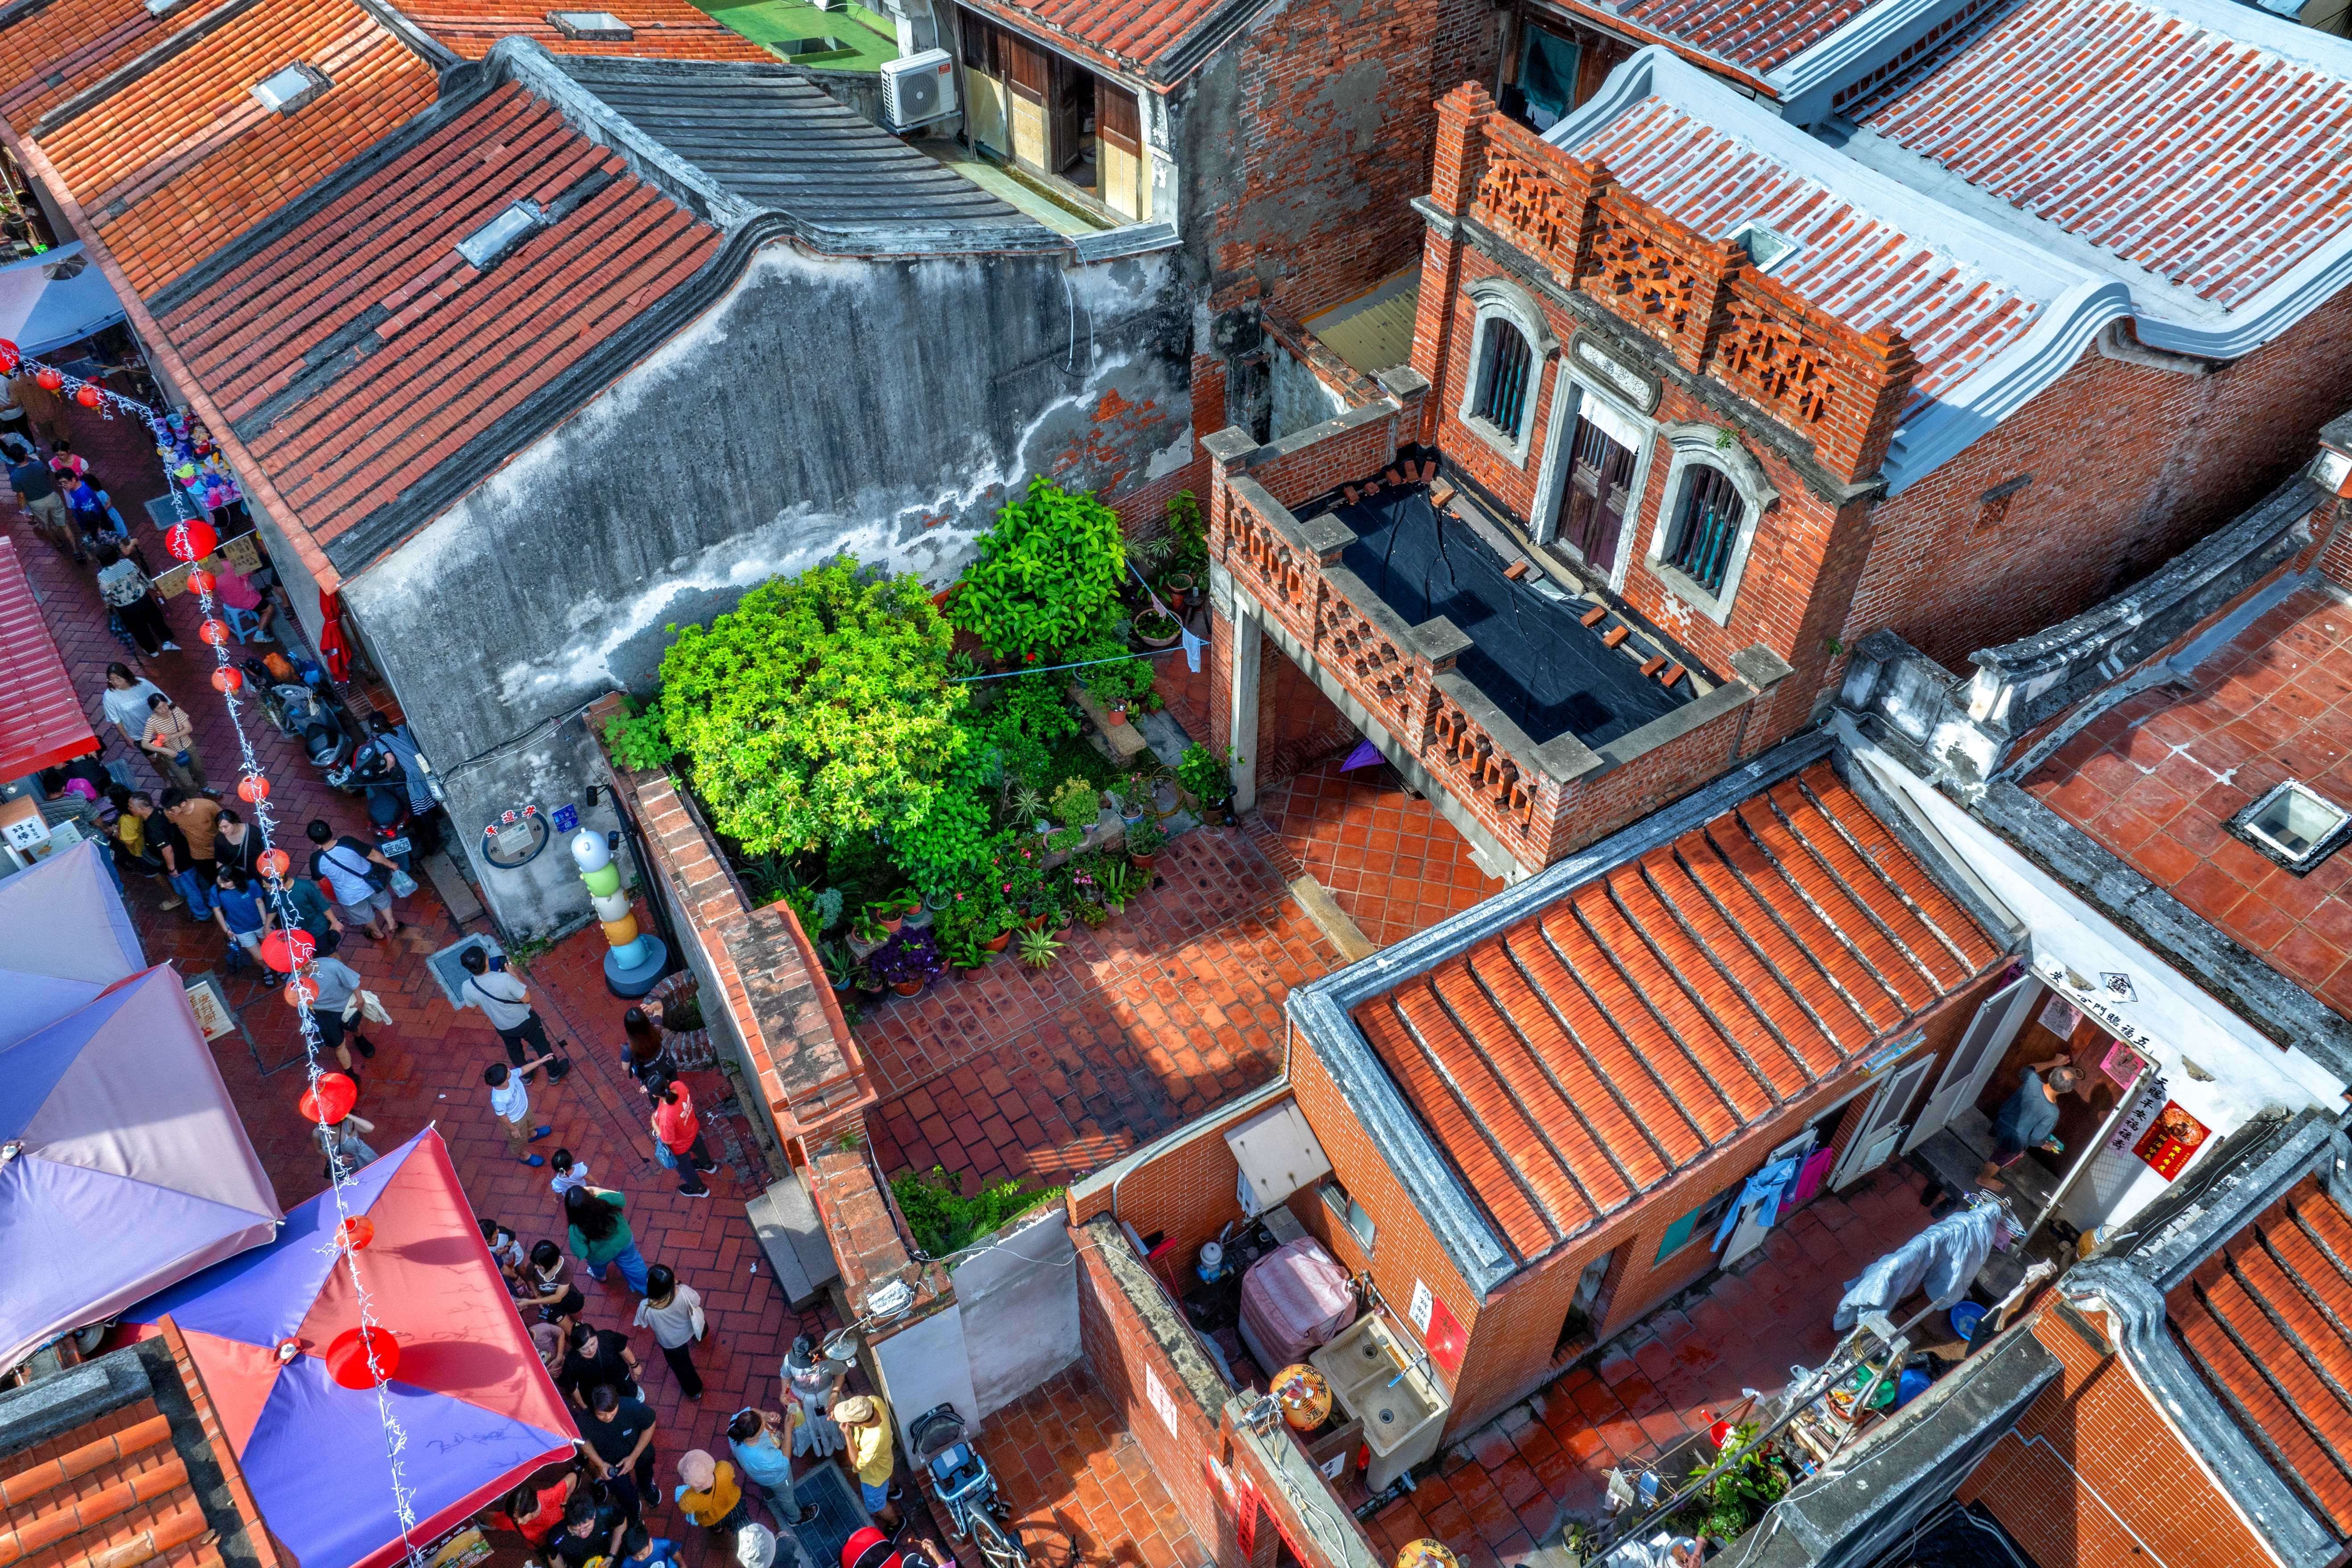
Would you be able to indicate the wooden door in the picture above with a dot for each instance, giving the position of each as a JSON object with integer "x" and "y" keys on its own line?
{"x": 1593, "y": 505}
{"x": 1027, "y": 70}
{"x": 1873, "y": 1142}
{"x": 1973, "y": 1059}
{"x": 1070, "y": 104}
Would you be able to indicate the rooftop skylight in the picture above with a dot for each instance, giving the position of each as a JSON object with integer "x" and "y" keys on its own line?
{"x": 600, "y": 26}
{"x": 288, "y": 88}
{"x": 1765, "y": 247}
{"x": 501, "y": 233}
{"x": 2294, "y": 826}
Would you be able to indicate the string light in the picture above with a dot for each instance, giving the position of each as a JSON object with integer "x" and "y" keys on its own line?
{"x": 191, "y": 539}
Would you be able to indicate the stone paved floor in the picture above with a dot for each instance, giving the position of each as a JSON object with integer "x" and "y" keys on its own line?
{"x": 1388, "y": 860}
{"x": 1080, "y": 1487}
{"x": 1170, "y": 1008}
{"x": 1510, "y": 1484}
{"x": 429, "y": 1065}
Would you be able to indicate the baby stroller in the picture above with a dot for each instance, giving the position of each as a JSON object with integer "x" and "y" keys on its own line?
{"x": 963, "y": 1482}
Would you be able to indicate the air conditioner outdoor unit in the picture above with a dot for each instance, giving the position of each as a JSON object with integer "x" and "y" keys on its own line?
{"x": 919, "y": 90}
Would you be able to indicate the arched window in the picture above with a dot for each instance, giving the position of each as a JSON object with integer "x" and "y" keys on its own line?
{"x": 1716, "y": 492}
{"x": 1508, "y": 349}
{"x": 1502, "y": 372}
{"x": 1706, "y": 526}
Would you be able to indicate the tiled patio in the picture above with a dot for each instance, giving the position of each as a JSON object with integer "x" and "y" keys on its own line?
{"x": 1080, "y": 1487}
{"x": 1170, "y": 1008}
{"x": 1511, "y": 1483}
{"x": 1388, "y": 860}
{"x": 428, "y": 1068}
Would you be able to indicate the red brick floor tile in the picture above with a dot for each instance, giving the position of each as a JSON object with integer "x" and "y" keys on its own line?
{"x": 1390, "y": 862}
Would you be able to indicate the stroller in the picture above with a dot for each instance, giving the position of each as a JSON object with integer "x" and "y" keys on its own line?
{"x": 962, "y": 1479}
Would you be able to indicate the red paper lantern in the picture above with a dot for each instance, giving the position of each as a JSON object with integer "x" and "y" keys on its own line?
{"x": 48, "y": 379}
{"x": 201, "y": 582}
{"x": 349, "y": 1357}
{"x": 252, "y": 788}
{"x": 88, "y": 397}
{"x": 9, "y": 358}
{"x": 286, "y": 950}
{"x": 330, "y": 1101}
{"x": 273, "y": 863}
{"x": 191, "y": 541}
{"x": 299, "y": 990}
{"x": 355, "y": 1232}
{"x": 214, "y": 632}
{"x": 227, "y": 679}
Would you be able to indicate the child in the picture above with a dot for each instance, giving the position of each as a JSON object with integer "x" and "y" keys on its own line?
{"x": 510, "y": 1102}
{"x": 569, "y": 1173}
{"x": 506, "y": 1248}
{"x": 343, "y": 1146}
{"x": 546, "y": 1285}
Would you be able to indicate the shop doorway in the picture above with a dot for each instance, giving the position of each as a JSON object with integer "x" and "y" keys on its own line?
{"x": 1881, "y": 1129}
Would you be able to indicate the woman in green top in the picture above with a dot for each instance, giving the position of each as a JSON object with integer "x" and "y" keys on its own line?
{"x": 601, "y": 1238}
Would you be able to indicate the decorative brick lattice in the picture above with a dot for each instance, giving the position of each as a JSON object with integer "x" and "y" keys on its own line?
{"x": 1474, "y": 765}
{"x": 1529, "y": 207}
{"x": 1640, "y": 271}
{"x": 1776, "y": 360}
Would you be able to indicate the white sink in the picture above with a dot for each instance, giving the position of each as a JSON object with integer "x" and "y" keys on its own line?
{"x": 1403, "y": 1414}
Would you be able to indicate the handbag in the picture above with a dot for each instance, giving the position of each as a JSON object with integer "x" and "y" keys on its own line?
{"x": 702, "y": 1325}
{"x": 661, "y": 1152}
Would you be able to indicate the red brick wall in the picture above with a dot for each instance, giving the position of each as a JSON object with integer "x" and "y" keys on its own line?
{"x": 1186, "y": 1195}
{"x": 1297, "y": 726}
{"x": 1299, "y": 475}
{"x": 2103, "y": 1445}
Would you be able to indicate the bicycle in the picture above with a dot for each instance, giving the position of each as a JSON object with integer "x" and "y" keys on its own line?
{"x": 962, "y": 1479}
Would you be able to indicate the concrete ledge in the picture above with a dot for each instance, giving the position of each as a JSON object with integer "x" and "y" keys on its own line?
{"x": 1331, "y": 919}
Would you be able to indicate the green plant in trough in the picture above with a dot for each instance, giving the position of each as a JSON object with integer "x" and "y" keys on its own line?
{"x": 1203, "y": 775}
{"x": 945, "y": 1221}
{"x": 638, "y": 741}
{"x": 1047, "y": 576}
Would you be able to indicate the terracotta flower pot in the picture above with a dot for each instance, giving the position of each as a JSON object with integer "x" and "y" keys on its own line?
{"x": 906, "y": 987}
{"x": 1147, "y": 640}
{"x": 893, "y": 923}
{"x": 1036, "y": 922}
{"x": 1000, "y": 942}
{"x": 1147, "y": 864}
{"x": 1114, "y": 715}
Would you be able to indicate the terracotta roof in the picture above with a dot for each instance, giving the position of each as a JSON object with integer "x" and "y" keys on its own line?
{"x": 356, "y": 352}
{"x": 41, "y": 719}
{"x": 667, "y": 29}
{"x": 179, "y": 160}
{"x": 1852, "y": 263}
{"x": 2264, "y": 1320}
{"x": 1756, "y": 34}
{"x": 118, "y": 1487}
{"x": 1135, "y": 35}
{"x": 49, "y": 53}
{"x": 1587, "y": 1054}
{"x": 2203, "y": 159}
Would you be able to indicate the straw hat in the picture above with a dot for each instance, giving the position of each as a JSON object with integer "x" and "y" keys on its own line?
{"x": 855, "y": 1410}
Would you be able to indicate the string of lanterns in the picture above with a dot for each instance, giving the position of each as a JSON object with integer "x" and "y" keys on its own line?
{"x": 365, "y": 1356}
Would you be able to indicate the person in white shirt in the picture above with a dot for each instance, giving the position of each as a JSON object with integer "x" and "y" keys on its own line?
{"x": 569, "y": 1173}
{"x": 126, "y": 701}
{"x": 510, "y": 1100}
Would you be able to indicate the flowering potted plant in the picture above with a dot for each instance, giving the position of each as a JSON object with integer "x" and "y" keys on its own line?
{"x": 908, "y": 962}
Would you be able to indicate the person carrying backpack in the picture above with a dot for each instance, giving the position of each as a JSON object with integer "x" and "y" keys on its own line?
{"x": 357, "y": 876}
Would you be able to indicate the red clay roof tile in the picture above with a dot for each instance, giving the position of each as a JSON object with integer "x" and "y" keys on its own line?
{"x": 661, "y": 29}
{"x": 358, "y": 351}
{"x": 1133, "y": 34}
{"x": 180, "y": 160}
{"x": 1587, "y": 1054}
{"x": 1761, "y": 35}
{"x": 48, "y": 55}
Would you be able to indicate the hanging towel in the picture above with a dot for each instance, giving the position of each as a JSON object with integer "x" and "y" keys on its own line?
{"x": 1942, "y": 1260}
{"x": 1809, "y": 1181}
{"x": 1764, "y": 1188}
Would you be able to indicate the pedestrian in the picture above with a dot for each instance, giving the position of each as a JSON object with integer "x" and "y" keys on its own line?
{"x": 506, "y": 1249}
{"x": 645, "y": 1056}
{"x": 674, "y": 1313}
{"x": 236, "y": 591}
{"x": 235, "y": 842}
{"x": 86, "y": 508}
{"x": 170, "y": 742}
{"x": 536, "y": 1509}
{"x": 2028, "y": 1117}
{"x": 193, "y": 819}
{"x": 238, "y": 909}
{"x": 597, "y": 1358}
{"x": 569, "y": 1173}
{"x": 757, "y": 1438}
{"x": 171, "y": 847}
{"x": 547, "y": 1285}
{"x": 357, "y": 875}
{"x": 125, "y": 699}
{"x": 63, "y": 464}
{"x": 345, "y": 1148}
{"x": 129, "y": 593}
{"x": 812, "y": 1383}
{"x": 510, "y": 1100}
{"x": 338, "y": 986}
{"x": 708, "y": 1494}
{"x": 134, "y": 809}
{"x": 36, "y": 492}
{"x": 44, "y": 409}
{"x": 601, "y": 1531}
{"x": 547, "y": 1339}
{"x": 866, "y": 1427}
{"x": 505, "y": 1000}
{"x": 677, "y": 1135}
{"x": 311, "y": 912}
{"x": 620, "y": 1435}
{"x": 393, "y": 743}
{"x": 601, "y": 1237}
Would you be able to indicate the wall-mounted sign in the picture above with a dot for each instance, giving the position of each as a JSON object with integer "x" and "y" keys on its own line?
{"x": 1446, "y": 1342}
{"x": 567, "y": 818}
{"x": 2122, "y": 1064}
{"x": 210, "y": 1009}
{"x": 2171, "y": 1140}
{"x": 1635, "y": 388}
{"x": 1156, "y": 1396}
{"x": 1423, "y": 1299}
{"x": 514, "y": 838}
{"x": 2118, "y": 987}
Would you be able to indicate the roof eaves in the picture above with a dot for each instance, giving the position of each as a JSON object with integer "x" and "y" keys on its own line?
{"x": 1322, "y": 1010}
{"x": 2132, "y": 1289}
{"x": 1807, "y": 81}
{"x": 1605, "y": 17}
{"x": 426, "y": 45}
{"x": 123, "y": 75}
{"x": 1190, "y": 52}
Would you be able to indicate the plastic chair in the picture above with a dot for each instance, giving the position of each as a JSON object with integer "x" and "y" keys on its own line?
{"x": 239, "y": 620}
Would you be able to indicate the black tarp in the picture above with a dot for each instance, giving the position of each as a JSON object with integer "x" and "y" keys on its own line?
{"x": 1529, "y": 656}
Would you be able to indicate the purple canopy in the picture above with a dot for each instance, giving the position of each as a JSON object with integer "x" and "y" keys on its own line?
{"x": 124, "y": 1167}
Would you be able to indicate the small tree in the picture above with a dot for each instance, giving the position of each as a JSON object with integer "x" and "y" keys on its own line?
{"x": 1047, "y": 576}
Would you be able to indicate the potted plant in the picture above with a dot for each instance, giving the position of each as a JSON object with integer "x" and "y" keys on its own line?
{"x": 1077, "y": 804}
{"x": 1144, "y": 841}
{"x": 1157, "y": 628}
{"x": 1115, "y": 712}
{"x": 865, "y": 934}
{"x": 888, "y": 914}
{"x": 868, "y": 986}
{"x": 838, "y": 968}
{"x": 908, "y": 962}
{"x": 1029, "y": 808}
{"x": 1203, "y": 775}
{"x": 1176, "y": 588}
{"x": 1039, "y": 949}
{"x": 1114, "y": 883}
{"x": 965, "y": 955}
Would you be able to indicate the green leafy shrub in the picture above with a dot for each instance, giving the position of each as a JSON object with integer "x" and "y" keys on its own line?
{"x": 1076, "y": 803}
{"x": 818, "y": 709}
{"x": 1023, "y": 727}
{"x": 1147, "y": 838}
{"x": 1039, "y": 948}
{"x": 1202, "y": 773}
{"x": 1047, "y": 576}
{"x": 945, "y": 1221}
{"x": 1190, "y": 531}
{"x": 1730, "y": 1505}
{"x": 639, "y": 740}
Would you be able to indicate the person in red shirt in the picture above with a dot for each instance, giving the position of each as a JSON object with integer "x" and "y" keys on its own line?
{"x": 680, "y": 1132}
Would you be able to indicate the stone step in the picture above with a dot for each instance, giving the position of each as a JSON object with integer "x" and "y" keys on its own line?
{"x": 793, "y": 1236}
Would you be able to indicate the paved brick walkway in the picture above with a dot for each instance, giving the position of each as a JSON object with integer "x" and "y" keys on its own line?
{"x": 1390, "y": 861}
{"x": 1080, "y": 1487}
{"x": 430, "y": 1063}
{"x": 1170, "y": 1008}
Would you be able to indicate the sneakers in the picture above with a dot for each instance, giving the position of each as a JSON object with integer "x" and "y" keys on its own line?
{"x": 534, "y": 1161}
{"x": 694, "y": 1192}
{"x": 263, "y": 636}
{"x": 808, "y": 1515}
{"x": 173, "y": 903}
{"x": 365, "y": 1048}
{"x": 169, "y": 647}
{"x": 708, "y": 1167}
{"x": 539, "y": 1132}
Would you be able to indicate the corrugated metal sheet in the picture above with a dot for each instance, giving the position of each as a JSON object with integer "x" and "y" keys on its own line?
{"x": 41, "y": 720}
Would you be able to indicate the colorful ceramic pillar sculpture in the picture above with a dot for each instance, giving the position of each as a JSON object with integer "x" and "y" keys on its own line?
{"x": 638, "y": 958}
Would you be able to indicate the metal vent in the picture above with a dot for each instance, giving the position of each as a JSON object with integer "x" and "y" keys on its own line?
{"x": 601, "y": 26}
{"x": 1766, "y": 247}
{"x": 501, "y": 233}
{"x": 2296, "y": 826}
{"x": 289, "y": 87}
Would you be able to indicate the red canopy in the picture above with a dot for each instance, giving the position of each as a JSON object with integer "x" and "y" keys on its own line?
{"x": 41, "y": 720}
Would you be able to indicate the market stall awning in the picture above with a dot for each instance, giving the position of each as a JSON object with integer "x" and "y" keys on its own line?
{"x": 477, "y": 1407}
{"x": 54, "y": 298}
{"x": 41, "y": 720}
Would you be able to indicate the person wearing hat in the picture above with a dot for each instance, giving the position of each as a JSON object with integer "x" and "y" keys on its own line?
{"x": 708, "y": 1494}
{"x": 865, "y": 1428}
{"x": 811, "y": 1384}
{"x": 2029, "y": 1118}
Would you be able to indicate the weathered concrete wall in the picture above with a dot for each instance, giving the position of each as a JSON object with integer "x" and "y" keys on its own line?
{"x": 884, "y": 408}
{"x": 1019, "y": 1301}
